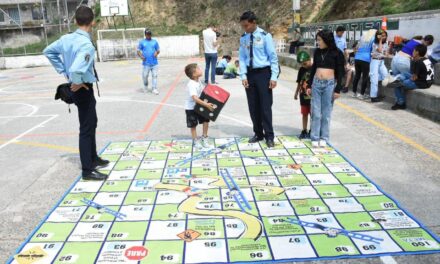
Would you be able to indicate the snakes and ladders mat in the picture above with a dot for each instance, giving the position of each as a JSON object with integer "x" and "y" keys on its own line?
{"x": 233, "y": 202}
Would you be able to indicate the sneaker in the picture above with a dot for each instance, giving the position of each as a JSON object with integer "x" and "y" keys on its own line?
{"x": 397, "y": 106}
{"x": 315, "y": 144}
{"x": 360, "y": 96}
{"x": 303, "y": 134}
{"x": 365, "y": 97}
{"x": 205, "y": 142}
{"x": 344, "y": 90}
{"x": 375, "y": 99}
{"x": 155, "y": 91}
{"x": 354, "y": 95}
{"x": 198, "y": 144}
{"x": 323, "y": 143}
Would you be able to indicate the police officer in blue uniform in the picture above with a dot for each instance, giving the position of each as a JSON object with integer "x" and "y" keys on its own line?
{"x": 259, "y": 72}
{"x": 73, "y": 56}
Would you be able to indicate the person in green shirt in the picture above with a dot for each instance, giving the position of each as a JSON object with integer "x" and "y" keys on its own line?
{"x": 231, "y": 71}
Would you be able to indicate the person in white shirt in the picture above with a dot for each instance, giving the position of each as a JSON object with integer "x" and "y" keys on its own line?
{"x": 210, "y": 45}
{"x": 194, "y": 88}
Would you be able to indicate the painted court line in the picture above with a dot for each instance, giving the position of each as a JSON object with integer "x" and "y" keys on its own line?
{"x": 389, "y": 130}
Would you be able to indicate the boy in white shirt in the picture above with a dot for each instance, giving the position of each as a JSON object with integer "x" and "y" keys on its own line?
{"x": 194, "y": 89}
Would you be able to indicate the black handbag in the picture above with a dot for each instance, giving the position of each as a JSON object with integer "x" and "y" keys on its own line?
{"x": 64, "y": 93}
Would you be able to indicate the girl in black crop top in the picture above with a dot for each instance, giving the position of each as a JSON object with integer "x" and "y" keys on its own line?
{"x": 323, "y": 92}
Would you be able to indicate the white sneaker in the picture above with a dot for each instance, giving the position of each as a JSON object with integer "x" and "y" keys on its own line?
{"x": 198, "y": 144}
{"x": 155, "y": 91}
{"x": 205, "y": 142}
{"x": 322, "y": 143}
{"x": 387, "y": 80}
{"x": 315, "y": 144}
{"x": 359, "y": 96}
{"x": 365, "y": 97}
{"x": 354, "y": 95}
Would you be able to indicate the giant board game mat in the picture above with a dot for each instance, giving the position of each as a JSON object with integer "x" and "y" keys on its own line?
{"x": 165, "y": 202}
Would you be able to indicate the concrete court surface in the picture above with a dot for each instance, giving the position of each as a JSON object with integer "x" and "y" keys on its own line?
{"x": 38, "y": 140}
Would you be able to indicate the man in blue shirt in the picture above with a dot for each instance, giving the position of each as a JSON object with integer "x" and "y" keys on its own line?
{"x": 259, "y": 72}
{"x": 148, "y": 50}
{"x": 340, "y": 40}
{"x": 73, "y": 56}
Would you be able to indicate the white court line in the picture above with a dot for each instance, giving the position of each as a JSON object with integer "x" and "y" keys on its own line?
{"x": 21, "y": 116}
{"x": 388, "y": 260}
{"x": 34, "y": 108}
{"x": 26, "y": 132}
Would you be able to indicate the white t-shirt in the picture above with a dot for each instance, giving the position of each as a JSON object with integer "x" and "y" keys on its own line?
{"x": 209, "y": 38}
{"x": 192, "y": 88}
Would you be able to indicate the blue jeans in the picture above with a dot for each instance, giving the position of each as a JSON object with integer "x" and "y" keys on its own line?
{"x": 378, "y": 72}
{"x": 407, "y": 84}
{"x": 322, "y": 106}
{"x": 211, "y": 62}
{"x": 228, "y": 75}
{"x": 146, "y": 72}
{"x": 400, "y": 64}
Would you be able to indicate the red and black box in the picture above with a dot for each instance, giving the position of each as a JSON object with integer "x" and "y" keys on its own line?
{"x": 215, "y": 95}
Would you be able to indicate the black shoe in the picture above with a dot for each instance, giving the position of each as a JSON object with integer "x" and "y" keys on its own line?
{"x": 375, "y": 99}
{"x": 308, "y": 134}
{"x": 255, "y": 139}
{"x": 270, "y": 143}
{"x": 303, "y": 134}
{"x": 94, "y": 176}
{"x": 99, "y": 162}
{"x": 397, "y": 106}
{"x": 344, "y": 90}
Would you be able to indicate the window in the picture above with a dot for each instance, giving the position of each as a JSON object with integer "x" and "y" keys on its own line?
{"x": 36, "y": 13}
{"x": 2, "y": 17}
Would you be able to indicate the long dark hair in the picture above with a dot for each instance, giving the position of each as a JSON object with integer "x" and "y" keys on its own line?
{"x": 328, "y": 38}
{"x": 378, "y": 36}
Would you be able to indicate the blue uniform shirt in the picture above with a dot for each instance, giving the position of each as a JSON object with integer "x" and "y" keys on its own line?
{"x": 222, "y": 64}
{"x": 73, "y": 55}
{"x": 148, "y": 48}
{"x": 341, "y": 43}
{"x": 263, "y": 51}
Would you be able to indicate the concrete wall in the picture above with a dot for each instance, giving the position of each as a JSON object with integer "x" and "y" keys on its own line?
{"x": 23, "y": 62}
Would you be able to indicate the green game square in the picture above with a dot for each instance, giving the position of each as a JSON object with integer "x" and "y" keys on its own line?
{"x": 170, "y": 251}
{"x": 333, "y": 246}
{"x": 332, "y": 191}
{"x": 127, "y": 165}
{"x": 414, "y": 239}
{"x": 248, "y": 250}
{"x": 211, "y": 156}
{"x": 376, "y": 203}
{"x": 155, "y": 156}
{"x": 229, "y": 162}
{"x": 53, "y": 232}
{"x": 172, "y": 164}
{"x": 241, "y": 181}
{"x": 167, "y": 212}
{"x": 234, "y": 206}
{"x": 282, "y": 160}
{"x": 74, "y": 199}
{"x": 300, "y": 151}
{"x": 122, "y": 231}
{"x": 353, "y": 177}
{"x": 111, "y": 157}
{"x": 309, "y": 206}
{"x": 139, "y": 198}
{"x": 93, "y": 215}
{"x": 259, "y": 170}
{"x": 332, "y": 158}
{"x": 278, "y": 225}
{"x": 115, "y": 186}
{"x": 211, "y": 195}
{"x": 149, "y": 174}
{"x": 79, "y": 252}
{"x": 278, "y": 145}
{"x": 293, "y": 180}
{"x": 360, "y": 221}
{"x": 314, "y": 168}
{"x": 288, "y": 138}
{"x": 252, "y": 153}
{"x": 264, "y": 194}
{"x": 204, "y": 171}
{"x": 208, "y": 228}
{"x": 118, "y": 145}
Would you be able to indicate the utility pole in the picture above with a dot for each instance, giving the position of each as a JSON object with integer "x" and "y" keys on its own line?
{"x": 59, "y": 15}
{"x": 67, "y": 15}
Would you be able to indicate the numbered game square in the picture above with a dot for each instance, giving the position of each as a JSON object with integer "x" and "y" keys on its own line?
{"x": 206, "y": 251}
{"x": 344, "y": 205}
{"x": 286, "y": 247}
{"x": 165, "y": 230}
{"x": 327, "y": 220}
{"x": 368, "y": 247}
{"x": 90, "y": 231}
{"x": 275, "y": 208}
{"x": 113, "y": 198}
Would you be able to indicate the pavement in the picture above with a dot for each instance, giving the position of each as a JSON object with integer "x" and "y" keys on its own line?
{"x": 39, "y": 158}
